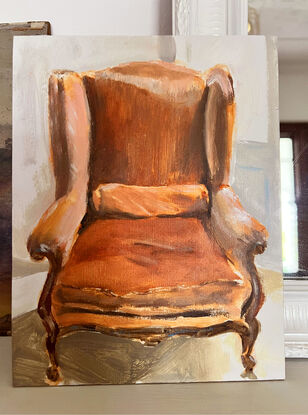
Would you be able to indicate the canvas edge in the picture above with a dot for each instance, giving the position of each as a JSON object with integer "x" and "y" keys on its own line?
{"x": 184, "y": 12}
{"x": 274, "y": 133}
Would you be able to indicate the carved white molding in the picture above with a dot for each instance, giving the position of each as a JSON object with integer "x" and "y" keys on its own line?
{"x": 210, "y": 17}
{"x": 296, "y": 318}
{"x": 181, "y": 18}
{"x": 222, "y": 17}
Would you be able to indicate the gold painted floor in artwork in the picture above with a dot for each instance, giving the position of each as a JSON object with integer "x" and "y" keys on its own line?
{"x": 89, "y": 357}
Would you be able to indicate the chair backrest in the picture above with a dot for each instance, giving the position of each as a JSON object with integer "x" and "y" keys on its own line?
{"x": 147, "y": 125}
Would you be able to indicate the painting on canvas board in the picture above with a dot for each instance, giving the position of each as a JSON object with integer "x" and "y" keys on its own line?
{"x": 146, "y": 210}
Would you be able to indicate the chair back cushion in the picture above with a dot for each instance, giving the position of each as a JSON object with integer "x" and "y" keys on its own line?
{"x": 147, "y": 120}
{"x": 120, "y": 200}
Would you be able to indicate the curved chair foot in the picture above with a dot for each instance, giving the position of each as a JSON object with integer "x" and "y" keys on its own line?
{"x": 248, "y": 362}
{"x": 248, "y": 341}
{"x": 53, "y": 371}
{"x": 53, "y": 375}
{"x": 248, "y": 374}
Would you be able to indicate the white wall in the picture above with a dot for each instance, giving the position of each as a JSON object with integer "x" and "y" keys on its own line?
{"x": 93, "y": 17}
{"x": 293, "y": 92}
{"x": 288, "y": 19}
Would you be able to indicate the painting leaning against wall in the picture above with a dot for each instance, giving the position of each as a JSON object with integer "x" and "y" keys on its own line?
{"x": 145, "y": 179}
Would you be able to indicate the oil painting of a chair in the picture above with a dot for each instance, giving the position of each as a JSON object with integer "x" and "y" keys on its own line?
{"x": 146, "y": 238}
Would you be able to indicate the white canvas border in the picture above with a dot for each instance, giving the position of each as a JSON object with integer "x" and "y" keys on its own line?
{"x": 229, "y": 18}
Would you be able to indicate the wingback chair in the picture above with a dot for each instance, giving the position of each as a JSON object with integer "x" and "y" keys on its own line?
{"x": 146, "y": 239}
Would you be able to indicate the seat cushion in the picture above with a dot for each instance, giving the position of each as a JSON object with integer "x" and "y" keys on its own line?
{"x": 124, "y": 256}
{"x": 147, "y": 268}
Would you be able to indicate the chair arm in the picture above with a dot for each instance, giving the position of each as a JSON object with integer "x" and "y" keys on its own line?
{"x": 233, "y": 228}
{"x": 70, "y": 129}
{"x": 56, "y": 232}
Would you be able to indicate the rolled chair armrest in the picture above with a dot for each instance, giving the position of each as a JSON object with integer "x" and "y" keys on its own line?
{"x": 233, "y": 228}
{"x": 56, "y": 232}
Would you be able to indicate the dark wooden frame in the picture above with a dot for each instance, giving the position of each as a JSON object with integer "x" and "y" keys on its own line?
{"x": 298, "y": 132}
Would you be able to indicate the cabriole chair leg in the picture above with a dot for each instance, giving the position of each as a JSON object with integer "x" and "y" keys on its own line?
{"x": 248, "y": 341}
{"x": 44, "y": 311}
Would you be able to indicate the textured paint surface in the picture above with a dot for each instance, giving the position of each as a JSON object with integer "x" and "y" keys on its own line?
{"x": 146, "y": 124}
{"x": 163, "y": 124}
{"x": 105, "y": 359}
{"x": 139, "y": 201}
{"x": 162, "y": 254}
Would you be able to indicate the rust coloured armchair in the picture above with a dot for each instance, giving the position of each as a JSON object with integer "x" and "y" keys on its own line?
{"x": 146, "y": 238}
